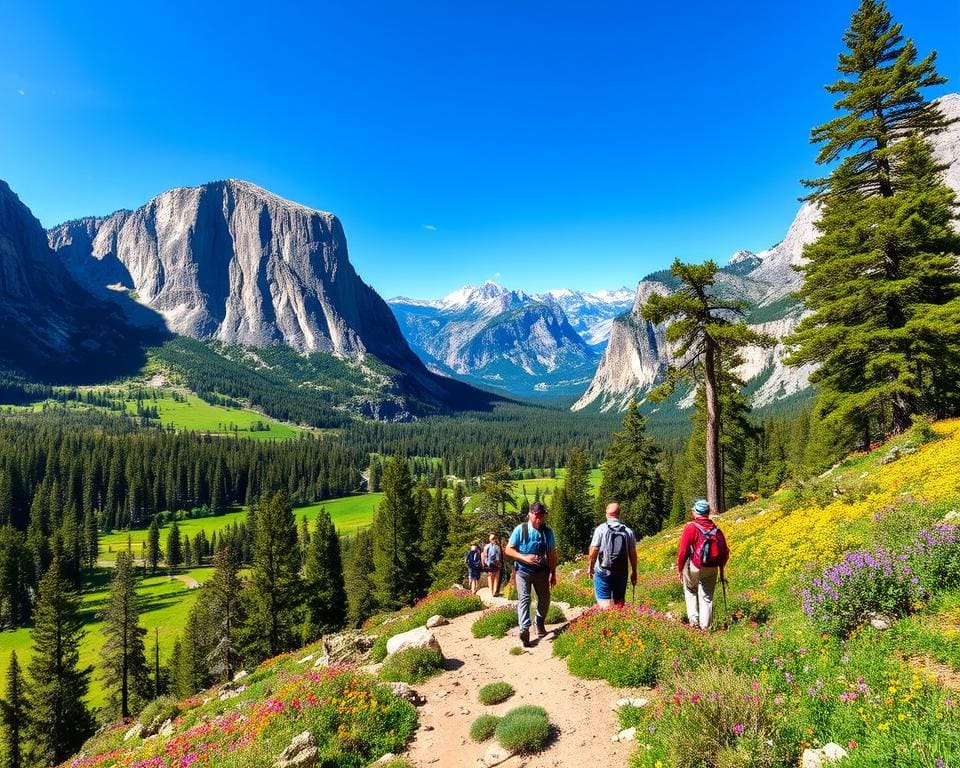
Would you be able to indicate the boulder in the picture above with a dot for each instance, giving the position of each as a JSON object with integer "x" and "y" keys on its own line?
{"x": 301, "y": 752}
{"x": 134, "y": 732}
{"x": 421, "y": 637}
{"x": 833, "y": 751}
{"x": 353, "y": 646}
{"x": 628, "y": 702}
{"x": 880, "y": 621}
{"x": 436, "y": 621}
{"x": 166, "y": 729}
{"x": 818, "y": 758}
{"x": 384, "y": 759}
{"x": 232, "y": 693}
{"x": 627, "y": 734}
{"x": 240, "y": 675}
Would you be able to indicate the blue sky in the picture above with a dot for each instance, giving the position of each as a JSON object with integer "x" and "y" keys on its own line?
{"x": 540, "y": 144}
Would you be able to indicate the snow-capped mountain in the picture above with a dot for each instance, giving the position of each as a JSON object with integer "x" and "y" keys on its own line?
{"x": 498, "y": 338}
{"x": 591, "y": 314}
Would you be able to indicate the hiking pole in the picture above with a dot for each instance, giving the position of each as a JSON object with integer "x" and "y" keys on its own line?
{"x": 723, "y": 589}
{"x": 633, "y": 596}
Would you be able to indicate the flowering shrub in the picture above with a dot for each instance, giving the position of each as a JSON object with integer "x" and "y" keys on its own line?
{"x": 628, "y": 646}
{"x": 353, "y": 719}
{"x": 712, "y": 716}
{"x": 935, "y": 557}
{"x": 862, "y": 583}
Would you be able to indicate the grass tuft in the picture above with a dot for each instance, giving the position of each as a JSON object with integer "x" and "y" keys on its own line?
{"x": 523, "y": 730}
{"x": 494, "y": 693}
{"x": 413, "y": 665}
{"x": 483, "y": 727}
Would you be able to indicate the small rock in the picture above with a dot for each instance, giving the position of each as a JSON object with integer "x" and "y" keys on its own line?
{"x": 134, "y": 732}
{"x": 384, "y": 759}
{"x": 426, "y": 727}
{"x": 421, "y": 637}
{"x": 322, "y": 661}
{"x": 880, "y": 621}
{"x": 240, "y": 675}
{"x": 576, "y": 572}
{"x": 232, "y": 693}
{"x": 951, "y": 515}
{"x": 436, "y": 621}
{"x": 638, "y": 702}
{"x": 166, "y": 729}
{"x": 627, "y": 734}
{"x": 456, "y": 586}
{"x": 305, "y": 659}
{"x": 494, "y": 755}
{"x": 407, "y": 693}
{"x": 833, "y": 751}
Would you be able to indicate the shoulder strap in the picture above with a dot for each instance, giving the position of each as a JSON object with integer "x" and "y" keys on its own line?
{"x": 524, "y": 532}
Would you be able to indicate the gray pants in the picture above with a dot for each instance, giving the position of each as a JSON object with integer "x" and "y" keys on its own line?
{"x": 540, "y": 581}
{"x": 698, "y": 586}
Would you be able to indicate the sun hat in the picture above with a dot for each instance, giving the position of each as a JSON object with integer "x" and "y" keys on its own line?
{"x": 701, "y": 507}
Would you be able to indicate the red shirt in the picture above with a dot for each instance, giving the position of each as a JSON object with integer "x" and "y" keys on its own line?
{"x": 689, "y": 538}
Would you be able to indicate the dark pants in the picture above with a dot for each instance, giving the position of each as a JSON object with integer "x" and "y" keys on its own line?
{"x": 540, "y": 581}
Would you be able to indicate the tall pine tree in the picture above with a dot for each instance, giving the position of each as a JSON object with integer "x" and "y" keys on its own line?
{"x": 398, "y": 563}
{"x": 58, "y": 720}
{"x": 226, "y": 615}
{"x": 124, "y": 658}
{"x": 13, "y": 716}
{"x": 881, "y": 281}
{"x": 275, "y": 593}
{"x": 359, "y": 579}
{"x": 154, "y": 554}
{"x": 631, "y": 475}
{"x": 326, "y": 602}
{"x": 573, "y": 509}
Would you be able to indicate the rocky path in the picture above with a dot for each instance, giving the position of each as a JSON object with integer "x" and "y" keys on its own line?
{"x": 582, "y": 711}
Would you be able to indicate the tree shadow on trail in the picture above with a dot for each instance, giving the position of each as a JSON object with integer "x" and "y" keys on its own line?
{"x": 449, "y": 665}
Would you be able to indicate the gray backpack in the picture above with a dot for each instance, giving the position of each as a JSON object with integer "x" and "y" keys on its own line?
{"x": 614, "y": 555}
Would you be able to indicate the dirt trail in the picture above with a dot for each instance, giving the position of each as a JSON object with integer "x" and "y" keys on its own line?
{"x": 580, "y": 710}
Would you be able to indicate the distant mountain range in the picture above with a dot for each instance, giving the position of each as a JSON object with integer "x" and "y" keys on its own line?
{"x": 518, "y": 343}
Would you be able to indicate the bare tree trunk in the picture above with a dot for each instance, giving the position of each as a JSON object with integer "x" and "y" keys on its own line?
{"x": 714, "y": 470}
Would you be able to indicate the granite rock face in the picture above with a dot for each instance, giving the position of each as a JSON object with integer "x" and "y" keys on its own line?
{"x": 232, "y": 262}
{"x": 48, "y": 323}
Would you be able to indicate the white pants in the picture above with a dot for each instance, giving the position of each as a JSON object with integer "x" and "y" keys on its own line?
{"x": 698, "y": 586}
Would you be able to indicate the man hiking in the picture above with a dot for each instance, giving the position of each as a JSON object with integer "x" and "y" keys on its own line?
{"x": 701, "y": 557}
{"x": 534, "y": 548}
{"x": 612, "y": 549}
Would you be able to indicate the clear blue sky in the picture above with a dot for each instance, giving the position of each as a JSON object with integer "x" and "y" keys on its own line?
{"x": 544, "y": 144}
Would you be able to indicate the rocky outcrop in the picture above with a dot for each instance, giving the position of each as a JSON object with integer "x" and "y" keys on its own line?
{"x": 233, "y": 262}
{"x": 49, "y": 323}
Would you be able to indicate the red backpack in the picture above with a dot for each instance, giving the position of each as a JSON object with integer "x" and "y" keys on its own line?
{"x": 709, "y": 548}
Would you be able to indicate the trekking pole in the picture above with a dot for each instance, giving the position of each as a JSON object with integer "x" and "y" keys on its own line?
{"x": 723, "y": 588}
{"x": 633, "y": 595}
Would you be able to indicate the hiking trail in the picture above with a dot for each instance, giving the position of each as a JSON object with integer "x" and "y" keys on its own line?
{"x": 582, "y": 712}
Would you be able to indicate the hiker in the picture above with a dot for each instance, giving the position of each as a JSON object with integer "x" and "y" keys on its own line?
{"x": 492, "y": 558}
{"x": 474, "y": 567}
{"x": 612, "y": 549}
{"x": 533, "y": 546}
{"x": 702, "y": 555}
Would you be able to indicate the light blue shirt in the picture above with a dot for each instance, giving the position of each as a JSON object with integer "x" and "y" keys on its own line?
{"x": 535, "y": 540}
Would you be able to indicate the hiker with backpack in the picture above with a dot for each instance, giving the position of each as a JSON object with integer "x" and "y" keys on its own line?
{"x": 533, "y": 546}
{"x": 612, "y": 550}
{"x": 474, "y": 567}
{"x": 701, "y": 558}
{"x": 492, "y": 558}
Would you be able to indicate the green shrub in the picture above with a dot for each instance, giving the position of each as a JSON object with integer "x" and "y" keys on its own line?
{"x": 572, "y": 593}
{"x": 523, "y": 729}
{"x": 494, "y": 693}
{"x": 162, "y": 708}
{"x": 483, "y": 727}
{"x": 397, "y": 762}
{"x": 413, "y": 665}
{"x": 379, "y": 651}
{"x": 515, "y": 650}
{"x": 495, "y": 622}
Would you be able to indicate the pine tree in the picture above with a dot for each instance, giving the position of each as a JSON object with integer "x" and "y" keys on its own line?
{"x": 436, "y": 527}
{"x": 573, "y": 509}
{"x": 323, "y": 581}
{"x": 359, "y": 579}
{"x": 376, "y": 474}
{"x": 154, "y": 554}
{"x": 274, "y": 595}
{"x": 187, "y": 552}
{"x": 398, "y": 564}
{"x": 191, "y": 673}
{"x": 58, "y": 720}
{"x": 13, "y": 716}
{"x": 707, "y": 344}
{"x": 881, "y": 281}
{"x": 91, "y": 540}
{"x": 226, "y": 612}
{"x": 174, "y": 551}
{"x": 631, "y": 475}
{"x": 124, "y": 658}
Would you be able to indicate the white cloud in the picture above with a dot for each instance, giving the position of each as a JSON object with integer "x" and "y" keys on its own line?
{"x": 23, "y": 92}
{"x": 430, "y": 227}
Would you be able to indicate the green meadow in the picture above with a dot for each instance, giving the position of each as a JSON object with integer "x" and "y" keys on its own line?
{"x": 167, "y": 601}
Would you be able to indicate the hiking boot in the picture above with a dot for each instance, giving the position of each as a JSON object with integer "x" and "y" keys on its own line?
{"x": 525, "y": 637}
{"x": 541, "y": 629}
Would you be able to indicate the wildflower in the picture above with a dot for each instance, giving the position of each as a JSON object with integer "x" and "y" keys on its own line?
{"x": 737, "y": 730}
